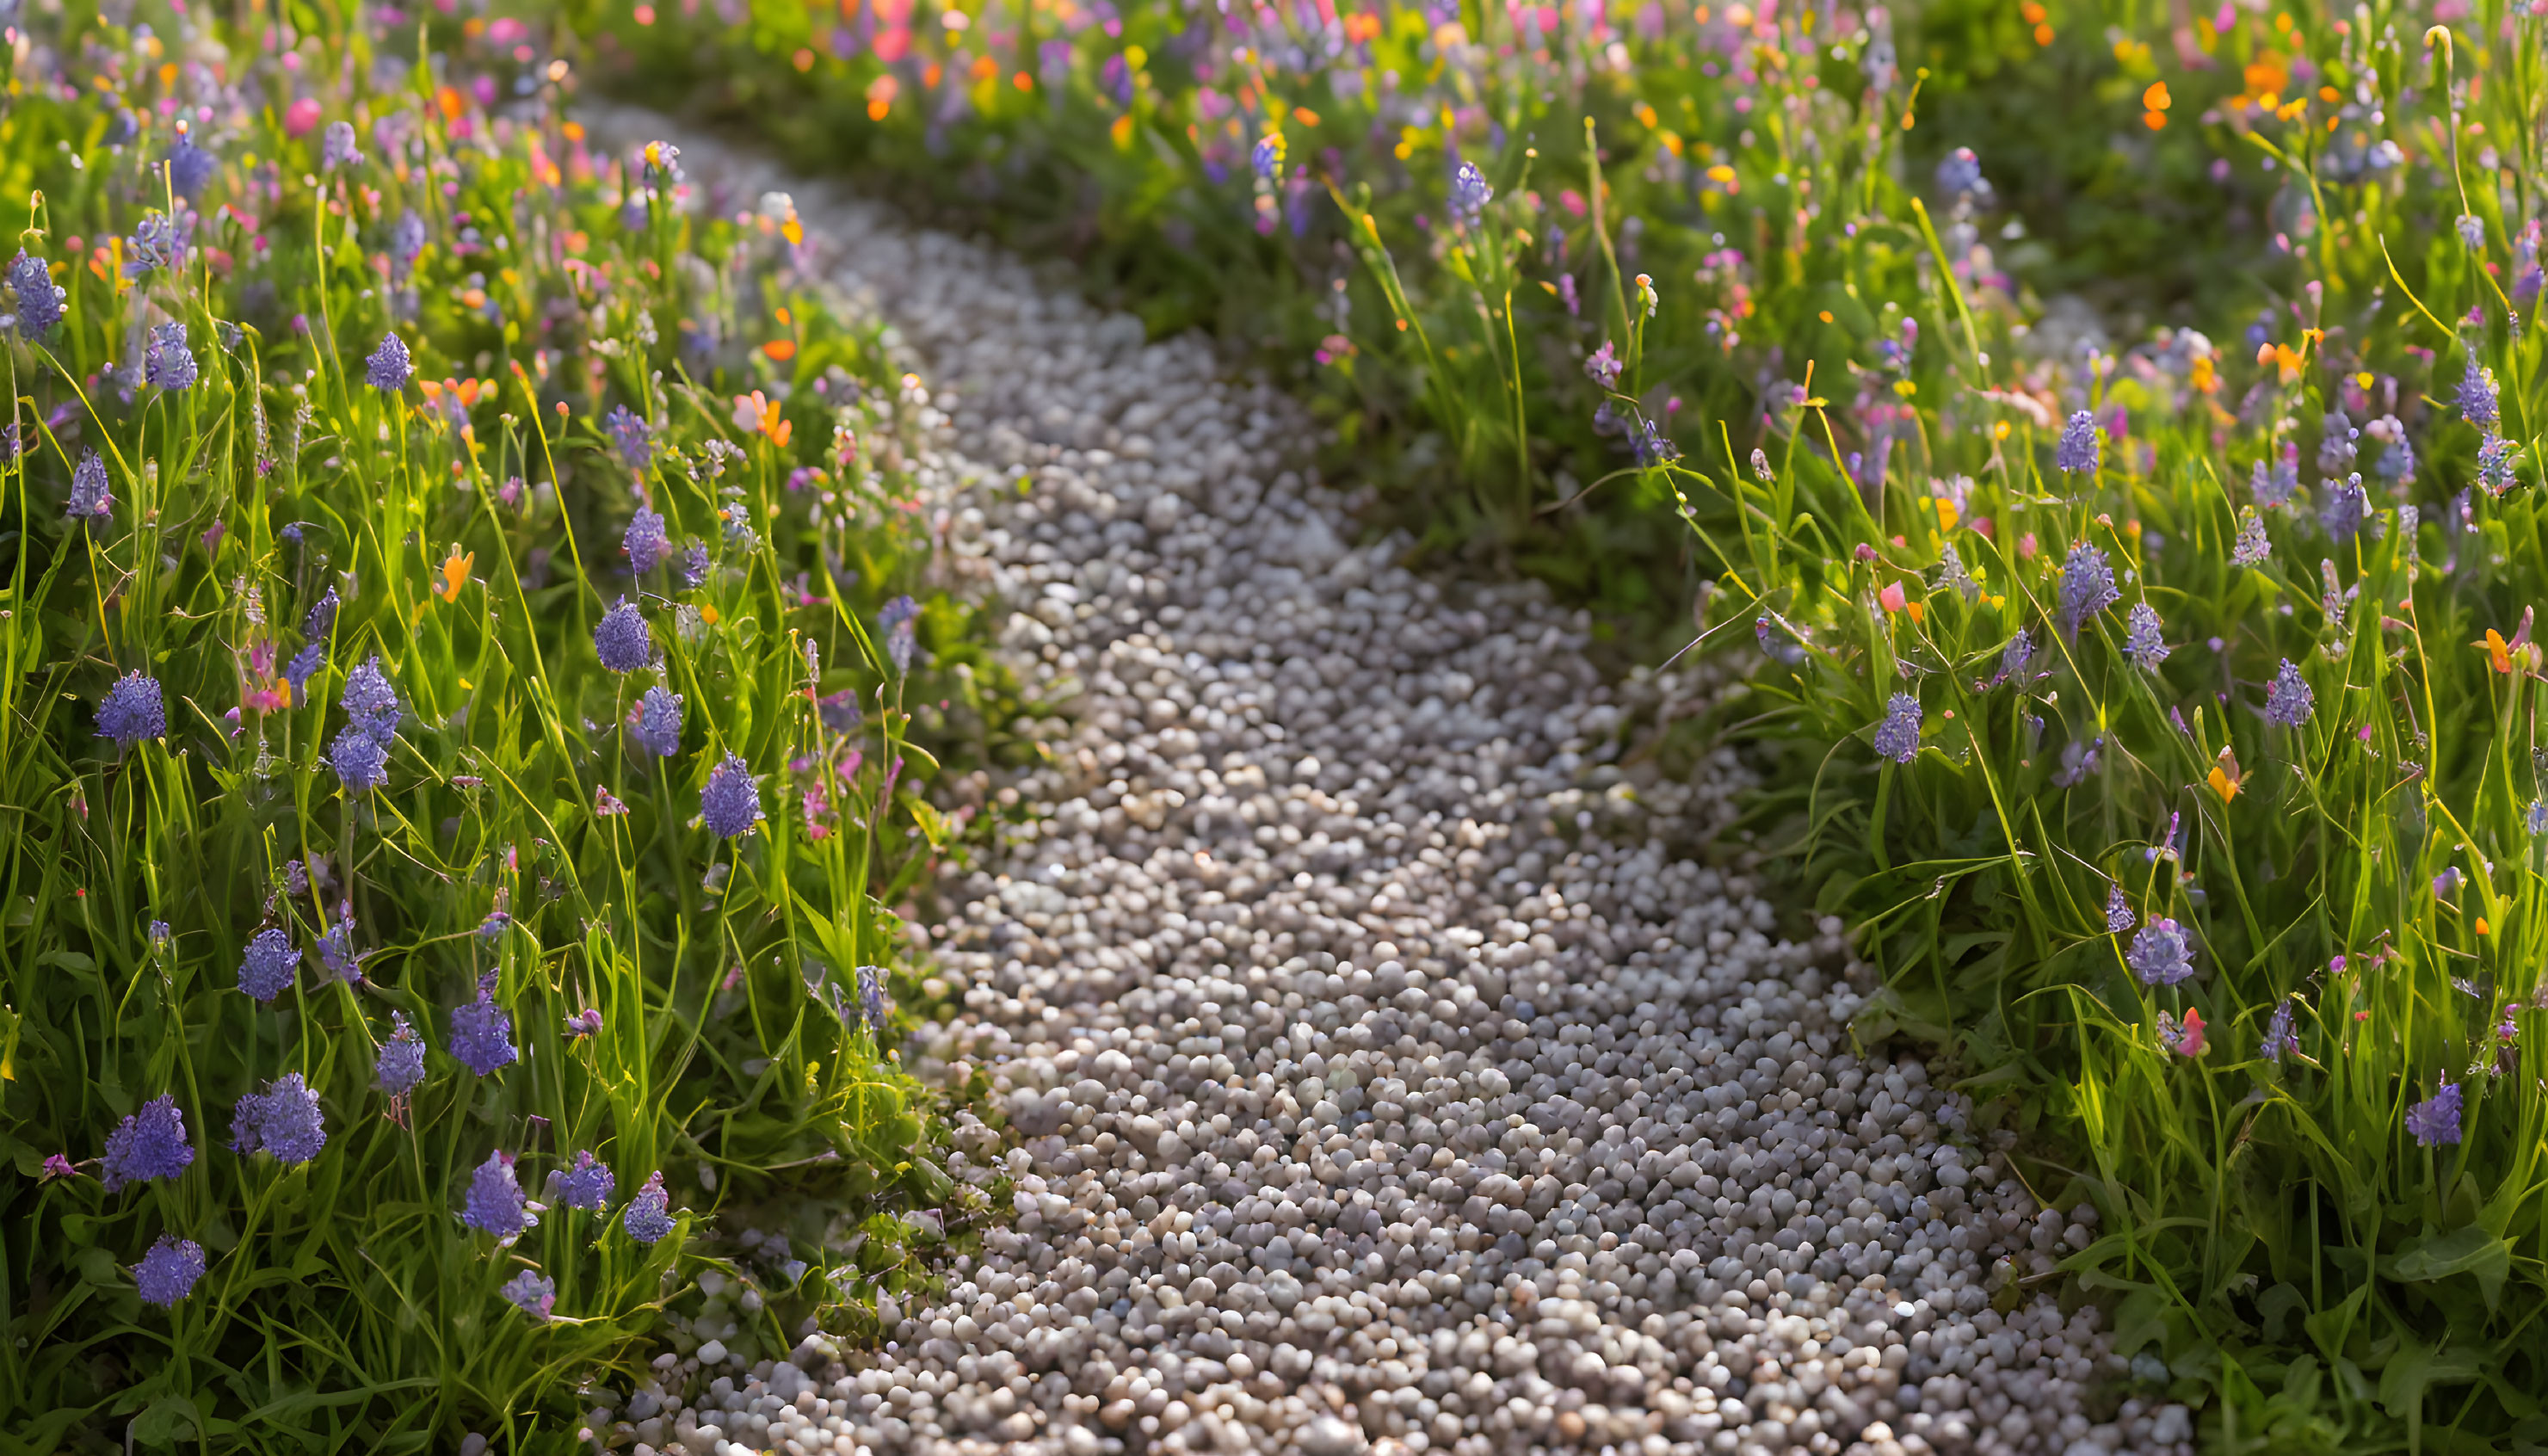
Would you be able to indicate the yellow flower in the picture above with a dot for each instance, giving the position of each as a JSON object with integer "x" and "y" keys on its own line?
{"x": 455, "y": 574}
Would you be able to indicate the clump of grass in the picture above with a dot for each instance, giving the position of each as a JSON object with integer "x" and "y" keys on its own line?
{"x": 454, "y": 748}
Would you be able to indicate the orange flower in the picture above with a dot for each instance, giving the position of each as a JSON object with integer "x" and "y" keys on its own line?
{"x": 455, "y": 574}
{"x": 2503, "y": 655}
{"x": 754, "y": 414}
{"x": 2224, "y": 778}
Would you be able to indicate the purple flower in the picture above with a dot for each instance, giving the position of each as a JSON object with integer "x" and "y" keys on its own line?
{"x": 370, "y": 702}
{"x": 151, "y": 1143}
{"x": 2013, "y": 657}
{"x": 157, "y": 244}
{"x": 389, "y": 367}
{"x": 622, "y": 639}
{"x": 2289, "y": 701}
{"x": 338, "y": 148}
{"x": 840, "y": 711}
{"x": 481, "y": 1035}
{"x": 2141, "y": 640}
{"x": 586, "y": 1185}
{"x": 2495, "y": 457}
{"x": 633, "y": 437}
{"x": 1777, "y": 642}
{"x": 2476, "y": 396}
{"x": 2160, "y": 954}
{"x": 656, "y": 723}
{"x": 895, "y": 621}
{"x": 91, "y": 500}
{"x": 645, "y": 541}
{"x": 1960, "y": 173}
{"x": 2535, "y": 818}
{"x": 585, "y": 1022}
{"x": 493, "y": 927}
{"x": 2087, "y": 586}
{"x": 2119, "y": 911}
{"x": 731, "y": 803}
{"x": 2280, "y": 1039}
{"x": 133, "y": 710}
{"x": 648, "y": 1215}
{"x": 694, "y": 565}
{"x": 2436, "y": 1119}
{"x": 1604, "y": 366}
{"x": 1898, "y": 736}
{"x": 322, "y": 618}
{"x": 1469, "y": 194}
{"x": 531, "y": 1292}
{"x": 301, "y": 667}
{"x": 2346, "y": 503}
{"x": 2077, "y": 449}
{"x": 2472, "y": 232}
{"x": 407, "y": 243}
{"x": 361, "y": 764}
{"x": 2447, "y": 883}
{"x": 169, "y": 364}
{"x": 1267, "y": 157}
{"x": 190, "y": 167}
{"x": 285, "y": 1121}
{"x": 2338, "y": 444}
{"x": 337, "y": 947}
{"x": 2272, "y": 487}
{"x": 1653, "y": 447}
{"x": 2253, "y": 546}
{"x": 34, "y": 299}
{"x": 496, "y": 1204}
{"x": 265, "y": 972}
{"x": 871, "y": 1002}
{"x": 402, "y": 1061}
{"x": 167, "y": 1273}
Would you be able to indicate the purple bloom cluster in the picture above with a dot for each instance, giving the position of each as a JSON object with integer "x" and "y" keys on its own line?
{"x": 622, "y": 639}
{"x": 895, "y": 624}
{"x": 2436, "y": 1121}
{"x": 402, "y": 1061}
{"x": 1469, "y": 194}
{"x": 370, "y": 702}
{"x": 840, "y": 711}
{"x": 2346, "y": 505}
{"x": 1604, "y": 366}
{"x": 730, "y": 803}
{"x": 2143, "y": 639}
{"x": 285, "y": 1120}
{"x": 2476, "y": 397}
{"x": 265, "y": 970}
{"x": 2289, "y": 701}
{"x": 91, "y": 499}
{"x": 586, "y": 1185}
{"x": 338, "y": 148}
{"x": 2077, "y": 450}
{"x": 1897, "y": 737}
{"x": 389, "y": 367}
{"x": 2253, "y": 547}
{"x": 149, "y": 1143}
{"x": 170, "y": 1271}
{"x": 496, "y": 1204}
{"x": 34, "y": 299}
{"x": 169, "y": 364}
{"x": 133, "y": 710}
{"x": 645, "y": 541}
{"x": 632, "y": 436}
{"x": 648, "y": 1215}
{"x": 2119, "y": 911}
{"x": 2087, "y": 586}
{"x": 656, "y": 722}
{"x": 2160, "y": 954}
{"x": 361, "y": 764}
{"x": 532, "y": 1293}
{"x": 481, "y": 1033}
{"x": 2280, "y": 1039}
{"x": 337, "y": 947}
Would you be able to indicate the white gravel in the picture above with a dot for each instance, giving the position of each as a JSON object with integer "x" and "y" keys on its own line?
{"x": 1382, "y": 1075}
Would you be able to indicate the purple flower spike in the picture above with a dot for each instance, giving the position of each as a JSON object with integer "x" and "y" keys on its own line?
{"x": 2280, "y": 1040}
{"x": 645, "y": 541}
{"x": 265, "y": 972}
{"x": 2436, "y": 1119}
{"x": 656, "y": 722}
{"x": 402, "y": 1061}
{"x": 496, "y": 1204}
{"x": 622, "y": 639}
{"x": 133, "y": 710}
{"x": 586, "y": 1185}
{"x": 170, "y": 1271}
{"x": 2161, "y": 954}
{"x": 648, "y": 1215}
{"x": 481, "y": 1035}
{"x": 531, "y": 1292}
{"x": 731, "y": 803}
{"x": 389, "y": 367}
{"x": 35, "y": 300}
{"x": 1898, "y": 736}
{"x": 285, "y": 1121}
{"x": 2077, "y": 449}
{"x": 151, "y": 1143}
{"x": 2289, "y": 702}
{"x": 91, "y": 497}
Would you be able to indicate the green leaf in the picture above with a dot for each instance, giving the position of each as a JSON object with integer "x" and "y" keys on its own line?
{"x": 2466, "y": 1250}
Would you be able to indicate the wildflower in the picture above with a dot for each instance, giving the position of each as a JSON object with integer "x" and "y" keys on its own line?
{"x": 585, "y": 1022}
{"x": 2184, "y": 1039}
{"x": 1759, "y": 460}
{"x": 2337, "y": 450}
{"x": 2015, "y": 656}
{"x": 157, "y": 244}
{"x": 2119, "y": 911}
{"x": 2397, "y": 462}
{"x": 2077, "y": 449}
{"x": 149, "y": 1143}
{"x": 361, "y": 763}
{"x": 1959, "y": 174}
{"x": 840, "y": 711}
{"x": 2087, "y": 586}
{"x": 1952, "y": 574}
{"x": 402, "y": 1061}
{"x": 1653, "y": 446}
{"x": 170, "y": 1271}
{"x": 169, "y": 364}
{"x": 389, "y": 367}
{"x": 90, "y": 498}
{"x": 496, "y": 1204}
{"x": 756, "y": 415}
{"x": 481, "y": 1035}
{"x": 871, "y": 1002}
{"x": 622, "y": 639}
{"x": 2079, "y": 761}
{"x": 2275, "y": 486}
{"x": 159, "y": 936}
{"x": 337, "y": 947}
{"x": 2476, "y": 396}
{"x": 338, "y": 148}
{"x": 586, "y": 1185}
{"x": 2143, "y": 642}
{"x": 2161, "y": 954}
{"x": 1469, "y": 194}
{"x": 285, "y": 1120}
{"x": 631, "y": 435}
{"x": 531, "y": 1292}
{"x": 2344, "y": 509}
{"x": 35, "y": 300}
{"x": 2447, "y": 883}
{"x": 656, "y": 722}
{"x": 730, "y": 804}
{"x": 2472, "y": 232}
{"x": 133, "y": 710}
{"x": 694, "y": 565}
{"x": 1604, "y": 367}
{"x": 2252, "y": 547}
{"x": 1267, "y": 157}
{"x": 662, "y": 161}
{"x": 2495, "y": 462}
{"x": 265, "y": 970}
{"x": 2289, "y": 701}
{"x": 2436, "y": 1119}
{"x": 190, "y": 167}
{"x": 605, "y": 804}
{"x": 300, "y": 667}
{"x": 493, "y": 927}
{"x": 895, "y": 621}
{"x": 1898, "y": 736}
{"x": 645, "y": 541}
{"x": 2535, "y": 818}
{"x": 1776, "y": 641}
{"x": 2280, "y": 1038}
{"x": 323, "y": 616}
{"x": 406, "y": 243}
{"x": 649, "y": 1215}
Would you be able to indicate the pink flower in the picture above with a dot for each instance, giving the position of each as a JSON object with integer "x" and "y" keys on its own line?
{"x": 1892, "y": 596}
{"x": 301, "y": 118}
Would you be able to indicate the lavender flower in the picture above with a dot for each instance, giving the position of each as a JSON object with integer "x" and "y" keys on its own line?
{"x": 336, "y": 949}
{"x": 2345, "y": 507}
{"x": 169, "y": 364}
{"x": 285, "y": 1121}
{"x": 91, "y": 499}
{"x": 622, "y": 639}
{"x": 2476, "y": 396}
{"x": 2397, "y": 462}
{"x": 190, "y": 167}
{"x": 694, "y": 565}
{"x": 2077, "y": 449}
{"x": 265, "y": 970}
{"x": 586, "y": 1185}
{"x": 656, "y": 723}
{"x": 1653, "y": 447}
{"x": 840, "y": 711}
{"x": 2143, "y": 642}
{"x": 402, "y": 1061}
{"x": 149, "y": 1143}
{"x": 406, "y": 243}
{"x": 585, "y": 1022}
{"x": 2535, "y": 818}
{"x": 2252, "y": 547}
{"x": 481, "y": 1035}
{"x": 338, "y": 148}
{"x": 323, "y": 616}
{"x": 2119, "y": 911}
{"x": 648, "y": 1215}
{"x": 1469, "y": 194}
{"x": 2436, "y": 1119}
{"x": 645, "y": 541}
{"x": 133, "y": 710}
{"x": 301, "y": 667}
{"x": 361, "y": 764}
{"x": 496, "y": 1204}
{"x": 169, "y": 1272}
{"x": 1959, "y": 174}
{"x": 871, "y": 1002}
{"x": 2337, "y": 444}
{"x": 389, "y": 367}
{"x": 731, "y": 803}
{"x": 2275, "y": 486}
{"x": 2495, "y": 457}
{"x": 531, "y": 1292}
{"x": 2289, "y": 701}
{"x": 633, "y": 437}
{"x": 2087, "y": 586}
{"x": 1604, "y": 365}
{"x": 1897, "y": 737}
{"x": 157, "y": 244}
{"x": 34, "y": 299}
{"x": 370, "y": 702}
{"x": 895, "y": 621}
{"x": 2160, "y": 954}
{"x": 2013, "y": 658}
{"x": 2447, "y": 883}
{"x": 2280, "y": 1039}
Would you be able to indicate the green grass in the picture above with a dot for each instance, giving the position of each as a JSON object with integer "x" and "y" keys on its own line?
{"x": 470, "y": 522}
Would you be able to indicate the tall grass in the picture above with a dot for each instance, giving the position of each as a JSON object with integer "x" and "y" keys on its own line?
{"x": 701, "y": 1002}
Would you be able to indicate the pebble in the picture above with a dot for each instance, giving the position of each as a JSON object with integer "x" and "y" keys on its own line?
{"x": 1390, "y": 1064}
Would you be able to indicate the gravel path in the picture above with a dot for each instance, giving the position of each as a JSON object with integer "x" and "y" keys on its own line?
{"x": 1381, "y": 1078}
